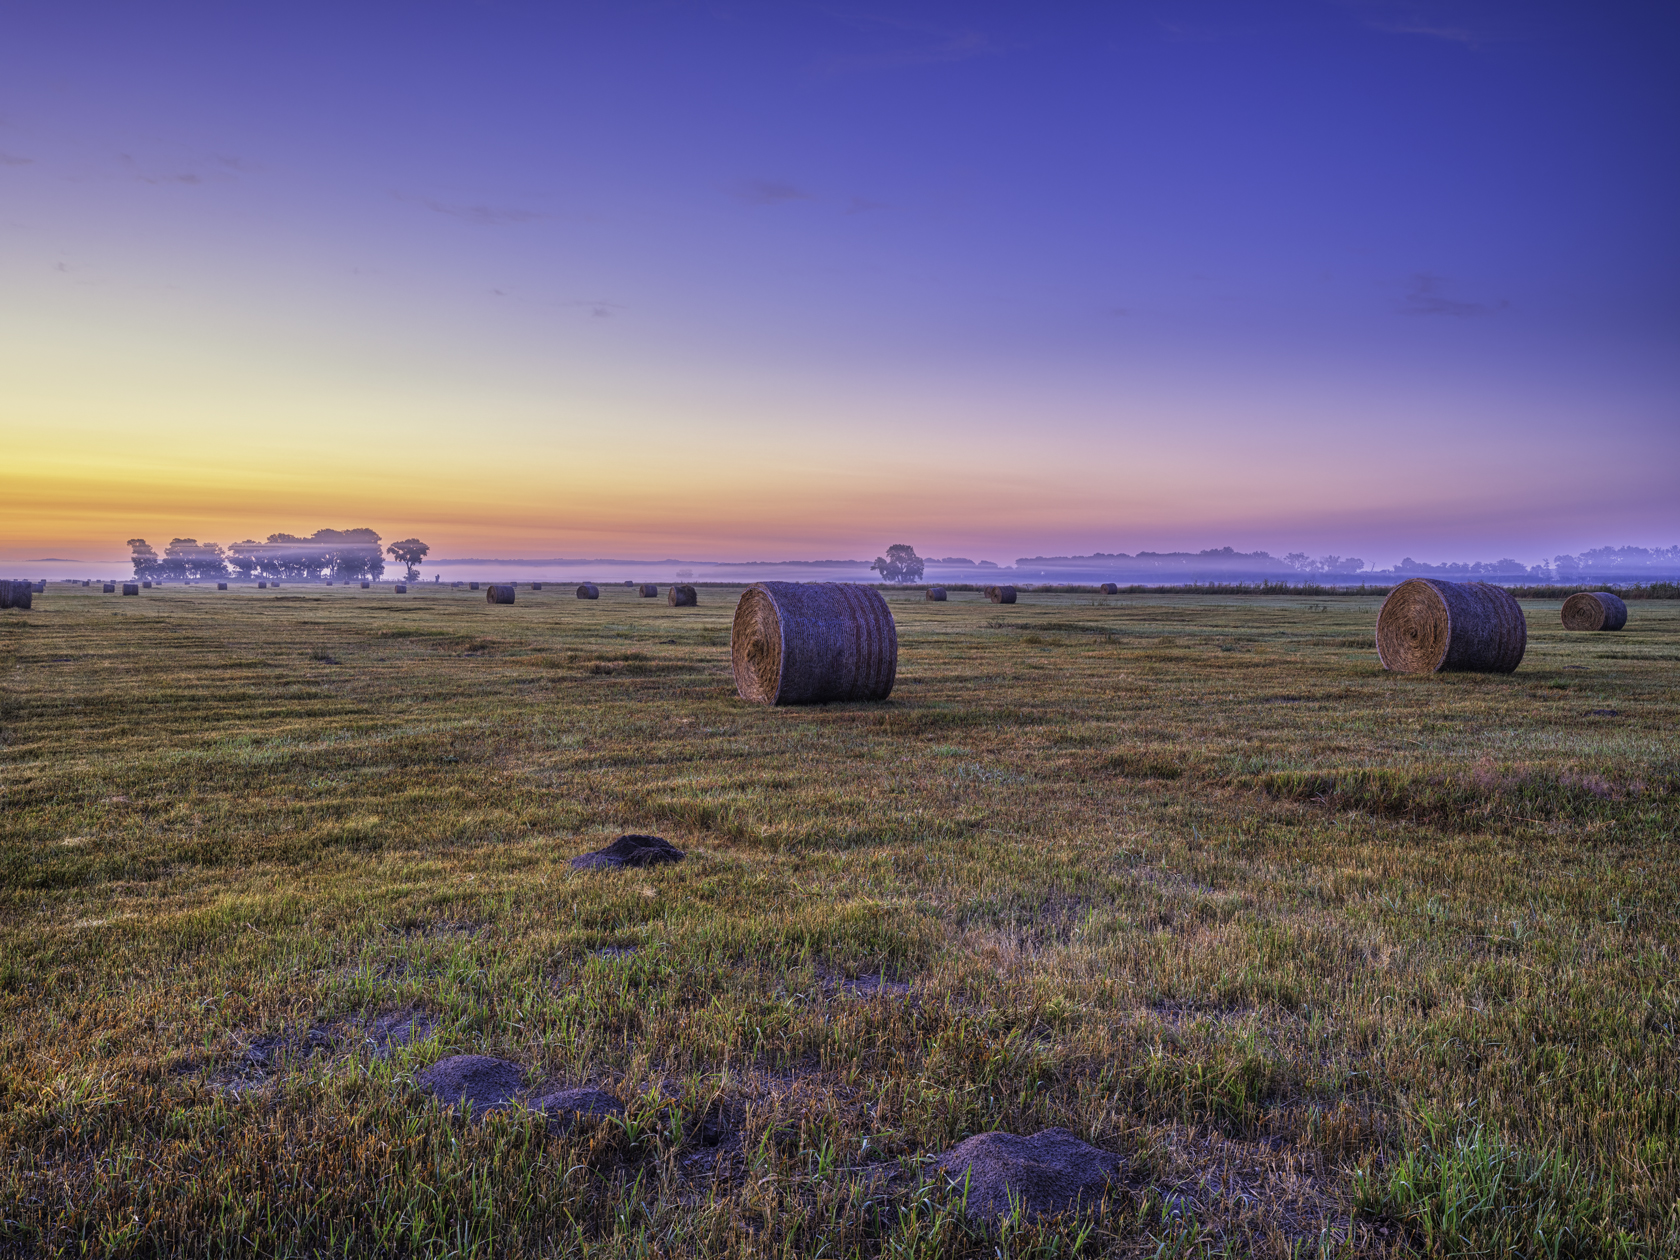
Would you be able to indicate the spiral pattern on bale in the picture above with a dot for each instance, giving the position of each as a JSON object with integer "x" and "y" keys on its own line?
{"x": 1109, "y": 588}
{"x": 1594, "y": 610}
{"x": 495, "y": 594}
{"x": 682, "y": 597}
{"x": 810, "y": 643}
{"x": 936, "y": 594}
{"x": 589, "y": 590}
{"x": 1427, "y": 625}
{"x": 649, "y": 591}
{"x": 1001, "y": 594}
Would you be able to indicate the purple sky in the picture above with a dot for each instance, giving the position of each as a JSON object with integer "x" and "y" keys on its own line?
{"x": 802, "y": 280}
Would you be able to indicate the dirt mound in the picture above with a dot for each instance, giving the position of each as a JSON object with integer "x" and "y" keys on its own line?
{"x": 478, "y": 1079}
{"x": 629, "y": 851}
{"x": 568, "y": 1104}
{"x": 1049, "y": 1172}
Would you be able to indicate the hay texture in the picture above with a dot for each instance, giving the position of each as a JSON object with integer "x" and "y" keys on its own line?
{"x": 498, "y": 594}
{"x": 131, "y": 588}
{"x": 809, "y": 643}
{"x": 682, "y": 597}
{"x": 17, "y": 594}
{"x": 1427, "y": 625}
{"x": 589, "y": 591}
{"x": 109, "y": 587}
{"x": 1594, "y": 610}
{"x": 936, "y": 594}
{"x": 1001, "y": 594}
{"x": 649, "y": 591}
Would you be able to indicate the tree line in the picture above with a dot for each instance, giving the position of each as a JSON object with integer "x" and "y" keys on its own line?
{"x": 341, "y": 554}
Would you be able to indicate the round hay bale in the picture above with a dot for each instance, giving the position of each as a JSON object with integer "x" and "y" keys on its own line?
{"x": 401, "y": 588}
{"x": 262, "y": 586}
{"x": 536, "y": 586}
{"x": 146, "y": 585}
{"x": 649, "y": 591}
{"x": 1001, "y": 594}
{"x": 498, "y": 595}
{"x": 1594, "y": 610}
{"x": 130, "y": 588}
{"x": 109, "y": 587}
{"x": 936, "y": 594}
{"x": 221, "y": 586}
{"x": 365, "y": 585}
{"x": 808, "y": 643}
{"x": 1427, "y": 625}
{"x": 1108, "y": 588}
{"x": 588, "y": 590}
{"x": 472, "y": 586}
{"x": 682, "y": 597}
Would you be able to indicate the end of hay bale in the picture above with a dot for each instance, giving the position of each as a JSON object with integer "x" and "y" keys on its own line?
{"x": 813, "y": 642}
{"x": 1594, "y": 610}
{"x": 1428, "y": 626}
{"x": 936, "y": 594}
{"x": 649, "y": 591}
{"x": 1001, "y": 594}
{"x": 1109, "y": 588}
{"x": 682, "y": 597}
{"x": 496, "y": 594}
{"x": 588, "y": 590}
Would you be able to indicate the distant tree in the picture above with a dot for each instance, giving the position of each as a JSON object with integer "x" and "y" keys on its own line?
{"x": 351, "y": 553}
{"x": 189, "y": 558}
{"x": 145, "y": 559}
{"x": 243, "y": 556}
{"x": 900, "y": 564}
{"x": 409, "y": 552}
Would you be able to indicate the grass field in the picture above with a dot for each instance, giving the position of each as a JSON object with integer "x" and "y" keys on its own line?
{"x": 1340, "y": 962}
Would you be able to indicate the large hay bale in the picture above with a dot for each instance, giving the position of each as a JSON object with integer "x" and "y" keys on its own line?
{"x": 498, "y": 594}
{"x": 16, "y": 594}
{"x": 1594, "y": 610}
{"x": 262, "y": 586}
{"x": 130, "y": 588}
{"x": 649, "y": 591}
{"x": 682, "y": 597}
{"x": 109, "y": 588}
{"x": 1427, "y": 625}
{"x": 221, "y": 586}
{"x": 1001, "y": 594}
{"x": 936, "y": 594}
{"x": 807, "y": 643}
{"x": 1108, "y": 588}
{"x": 401, "y": 588}
{"x": 588, "y": 590}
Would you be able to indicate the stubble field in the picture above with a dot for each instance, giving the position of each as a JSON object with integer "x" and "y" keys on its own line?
{"x": 1338, "y": 961}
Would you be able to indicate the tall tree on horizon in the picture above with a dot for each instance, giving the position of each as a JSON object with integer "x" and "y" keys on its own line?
{"x": 409, "y": 552}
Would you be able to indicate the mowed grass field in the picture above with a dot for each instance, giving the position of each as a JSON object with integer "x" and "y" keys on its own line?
{"x": 1340, "y": 962}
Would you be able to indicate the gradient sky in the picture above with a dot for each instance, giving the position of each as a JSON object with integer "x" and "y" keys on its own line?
{"x": 798, "y": 281}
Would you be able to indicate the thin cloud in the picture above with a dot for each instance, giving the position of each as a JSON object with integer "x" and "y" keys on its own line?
{"x": 766, "y": 192}
{"x": 1426, "y": 298}
{"x": 600, "y": 308}
{"x": 12, "y": 159}
{"x": 1451, "y": 34}
{"x": 862, "y": 205}
{"x": 916, "y": 44}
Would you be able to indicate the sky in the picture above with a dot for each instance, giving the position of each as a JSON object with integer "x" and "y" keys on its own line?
{"x": 797, "y": 281}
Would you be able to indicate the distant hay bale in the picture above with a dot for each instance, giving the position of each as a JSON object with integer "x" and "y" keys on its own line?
{"x": 221, "y": 586}
{"x": 1427, "y": 625}
{"x": 588, "y": 590}
{"x": 808, "y": 643}
{"x": 129, "y": 588}
{"x": 1108, "y": 588}
{"x": 499, "y": 594}
{"x": 366, "y": 585}
{"x": 146, "y": 585}
{"x": 472, "y": 586}
{"x": 680, "y": 596}
{"x": 109, "y": 587}
{"x": 401, "y": 588}
{"x": 649, "y": 591}
{"x": 536, "y": 586}
{"x": 936, "y": 594}
{"x": 262, "y": 586}
{"x": 1594, "y": 610}
{"x": 1001, "y": 594}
